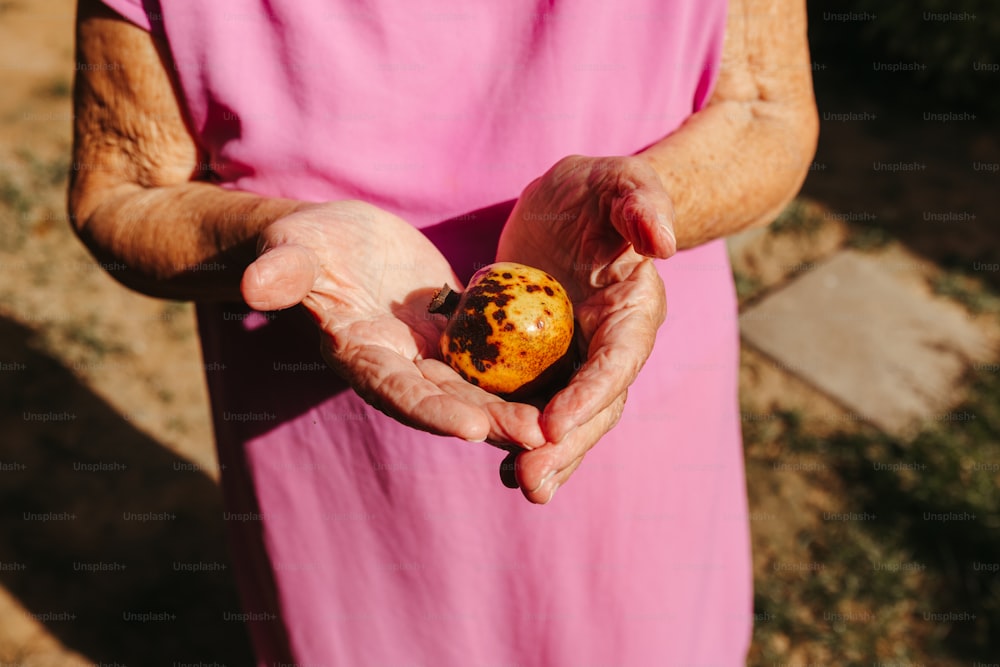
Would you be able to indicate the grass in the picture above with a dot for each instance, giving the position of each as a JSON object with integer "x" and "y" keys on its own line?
{"x": 96, "y": 345}
{"x": 880, "y": 584}
{"x": 799, "y": 216}
{"x": 869, "y": 238}
{"x": 23, "y": 199}
{"x": 14, "y": 230}
{"x": 14, "y": 197}
{"x": 177, "y": 316}
{"x": 916, "y": 581}
{"x": 747, "y": 286}
{"x": 967, "y": 290}
{"x": 58, "y": 88}
{"x": 31, "y": 207}
{"x": 45, "y": 173}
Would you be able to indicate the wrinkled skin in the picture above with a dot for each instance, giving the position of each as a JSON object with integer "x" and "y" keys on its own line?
{"x": 732, "y": 165}
{"x": 593, "y": 224}
{"x": 366, "y": 277}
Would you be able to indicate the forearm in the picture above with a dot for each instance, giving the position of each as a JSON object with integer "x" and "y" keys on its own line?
{"x": 732, "y": 166}
{"x": 738, "y": 161}
{"x": 136, "y": 198}
{"x": 186, "y": 241}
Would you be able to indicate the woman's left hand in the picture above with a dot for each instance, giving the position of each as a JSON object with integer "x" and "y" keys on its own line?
{"x": 593, "y": 224}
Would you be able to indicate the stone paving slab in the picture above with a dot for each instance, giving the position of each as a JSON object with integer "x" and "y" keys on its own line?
{"x": 857, "y": 331}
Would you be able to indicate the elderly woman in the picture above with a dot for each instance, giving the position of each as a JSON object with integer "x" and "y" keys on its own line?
{"x": 349, "y": 159}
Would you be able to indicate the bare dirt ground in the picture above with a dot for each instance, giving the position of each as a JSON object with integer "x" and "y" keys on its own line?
{"x": 108, "y": 472}
{"x": 111, "y": 547}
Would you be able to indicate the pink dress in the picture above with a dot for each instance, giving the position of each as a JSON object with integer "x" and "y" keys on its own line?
{"x": 362, "y": 543}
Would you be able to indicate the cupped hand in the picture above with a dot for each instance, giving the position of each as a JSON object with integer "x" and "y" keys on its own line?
{"x": 594, "y": 224}
{"x": 366, "y": 276}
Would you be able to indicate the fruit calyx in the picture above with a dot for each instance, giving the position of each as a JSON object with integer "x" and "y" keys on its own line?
{"x": 445, "y": 301}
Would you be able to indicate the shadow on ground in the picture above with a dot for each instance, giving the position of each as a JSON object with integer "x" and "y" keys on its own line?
{"x": 104, "y": 528}
{"x": 945, "y": 515}
{"x": 896, "y": 161}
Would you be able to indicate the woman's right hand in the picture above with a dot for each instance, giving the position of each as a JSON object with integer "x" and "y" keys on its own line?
{"x": 367, "y": 277}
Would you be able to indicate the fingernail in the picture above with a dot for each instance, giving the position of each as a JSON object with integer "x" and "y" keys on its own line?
{"x": 666, "y": 227}
{"x": 669, "y": 231}
{"x": 545, "y": 479}
{"x": 555, "y": 487}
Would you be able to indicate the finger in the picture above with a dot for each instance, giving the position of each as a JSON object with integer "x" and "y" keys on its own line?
{"x": 280, "y": 278}
{"x": 542, "y": 495}
{"x": 621, "y": 322}
{"x": 396, "y": 386}
{"x": 645, "y": 218}
{"x": 561, "y": 478}
{"x": 511, "y": 423}
{"x": 541, "y": 470}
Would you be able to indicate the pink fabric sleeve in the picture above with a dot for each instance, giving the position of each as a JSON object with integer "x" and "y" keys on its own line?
{"x": 131, "y": 10}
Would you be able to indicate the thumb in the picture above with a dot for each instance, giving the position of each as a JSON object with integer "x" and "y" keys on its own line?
{"x": 279, "y": 278}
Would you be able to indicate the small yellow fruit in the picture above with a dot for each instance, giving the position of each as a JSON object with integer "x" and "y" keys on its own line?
{"x": 511, "y": 324}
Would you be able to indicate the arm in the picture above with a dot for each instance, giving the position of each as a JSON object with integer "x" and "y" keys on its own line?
{"x": 593, "y": 222}
{"x": 134, "y": 197}
{"x": 736, "y": 163}
{"x": 364, "y": 274}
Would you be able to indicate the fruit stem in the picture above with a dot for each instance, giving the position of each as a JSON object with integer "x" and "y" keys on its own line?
{"x": 445, "y": 301}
